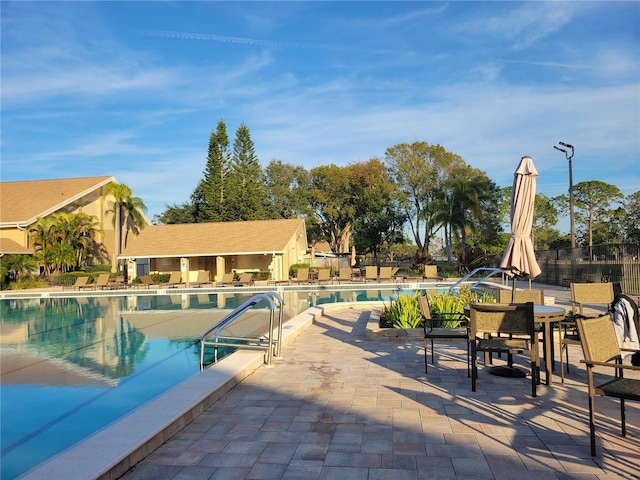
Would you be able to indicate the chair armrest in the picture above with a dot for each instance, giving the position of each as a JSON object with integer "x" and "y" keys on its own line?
{"x": 612, "y": 365}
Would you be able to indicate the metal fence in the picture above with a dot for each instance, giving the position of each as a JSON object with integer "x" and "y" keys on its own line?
{"x": 619, "y": 263}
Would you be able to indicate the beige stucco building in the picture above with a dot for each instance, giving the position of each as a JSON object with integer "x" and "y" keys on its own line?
{"x": 23, "y": 203}
{"x": 219, "y": 248}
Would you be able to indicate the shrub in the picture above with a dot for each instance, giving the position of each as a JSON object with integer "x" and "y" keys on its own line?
{"x": 403, "y": 311}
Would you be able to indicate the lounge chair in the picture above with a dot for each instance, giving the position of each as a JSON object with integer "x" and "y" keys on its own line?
{"x": 102, "y": 281}
{"x": 601, "y": 348}
{"x": 227, "y": 279}
{"x": 344, "y": 275}
{"x": 244, "y": 279}
{"x": 175, "y": 279}
{"x": 302, "y": 275}
{"x": 324, "y": 275}
{"x": 582, "y": 294}
{"x": 431, "y": 272}
{"x": 202, "y": 279}
{"x": 147, "y": 281}
{"x": 371, "y": 273}
{"x": 80, "y": 283}
{"x": 386, "y": 274}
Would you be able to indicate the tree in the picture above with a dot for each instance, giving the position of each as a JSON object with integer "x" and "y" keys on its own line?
{"x": 209, "y": 198}
{"x": 378, "y": 220}
{"x": 246, "y": 182}
{"x": 176, "y": 214}
{"x": 332, "y": 203}
{"x": 287, "y": 190}
{"x": 127, "y": 216}
{"x": 420, "y": 171}
{"x": 631, "y": 225}
{"x": 593, "y": 200}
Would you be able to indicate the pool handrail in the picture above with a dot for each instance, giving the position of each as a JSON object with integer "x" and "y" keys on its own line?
{"x": 258, "y": 343}
{"x": 492, "y": 271}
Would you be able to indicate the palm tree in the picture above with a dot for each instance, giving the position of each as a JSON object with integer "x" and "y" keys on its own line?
{"x": 43, "y": 235}
{"x": 127, "y": 215}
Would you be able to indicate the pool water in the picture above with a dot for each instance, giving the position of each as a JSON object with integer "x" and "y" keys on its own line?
{"x": 71, "y": 366}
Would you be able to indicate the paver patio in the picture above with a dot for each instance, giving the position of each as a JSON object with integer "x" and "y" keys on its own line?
{"x": 339, "y": 407}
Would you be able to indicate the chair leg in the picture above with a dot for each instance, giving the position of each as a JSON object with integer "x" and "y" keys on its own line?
{"x": 592, "y": 426}
{"x": 433, "y": 361}
{"x": 474, "y": 368}
{"x": 468, "y": 360}
{"x": 426, "y": 356}
{"x": 623, "y": 418}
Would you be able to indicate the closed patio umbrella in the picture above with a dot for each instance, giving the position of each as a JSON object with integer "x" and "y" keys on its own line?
{"x": 519, "y": 259}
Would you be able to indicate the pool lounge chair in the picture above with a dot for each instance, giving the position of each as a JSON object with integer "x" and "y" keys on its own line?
{"x": 386, "y": 274}
{"x": 147, "y": 281}
{"x": 175, "y": 279}
{"x": 80, "y": 283}
{"x": 102, "y": 282}
{"x": 324, "y": 275}
{"x": 202, "y": 279}
{"x": 371, "y": 273}
{"x": 302, "y": 275}
{"x": 244, "y": 279}
{"x": 344, "y": 275}
{"x": 226, "y": 280}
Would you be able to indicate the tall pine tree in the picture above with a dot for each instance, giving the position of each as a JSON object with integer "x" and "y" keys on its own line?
{"x": 246, "y": 194}
{"x": 210, "y": 196}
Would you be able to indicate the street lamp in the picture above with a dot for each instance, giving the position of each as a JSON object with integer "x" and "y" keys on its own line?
{"x": 571, "y": 216}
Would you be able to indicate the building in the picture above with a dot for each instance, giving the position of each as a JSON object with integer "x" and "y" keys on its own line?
{"x": 218, "y": 248}
{"x": 23, "y": 203}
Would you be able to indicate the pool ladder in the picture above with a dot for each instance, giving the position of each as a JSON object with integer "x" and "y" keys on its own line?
{"x": 273, "y": 301}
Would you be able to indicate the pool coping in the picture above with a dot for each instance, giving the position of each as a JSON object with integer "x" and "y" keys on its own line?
{"x": 112, "y": 451}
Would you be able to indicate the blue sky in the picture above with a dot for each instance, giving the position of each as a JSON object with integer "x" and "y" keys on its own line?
{"x": 133, "y": 89}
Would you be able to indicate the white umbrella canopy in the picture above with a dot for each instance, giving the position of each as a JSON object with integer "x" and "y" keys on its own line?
{"x": 519, "y": 259}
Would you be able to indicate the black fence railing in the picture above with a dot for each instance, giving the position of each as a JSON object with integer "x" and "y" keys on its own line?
{"x": 619, "y": 263}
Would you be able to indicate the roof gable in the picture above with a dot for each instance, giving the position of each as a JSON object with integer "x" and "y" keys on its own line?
{"x": 224, "y": 238}
{"x": 24, "y": 202}
{"x": 8, "y": 247}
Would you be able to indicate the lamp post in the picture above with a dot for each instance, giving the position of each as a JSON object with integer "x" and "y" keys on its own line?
{"x": 572, "y": 226}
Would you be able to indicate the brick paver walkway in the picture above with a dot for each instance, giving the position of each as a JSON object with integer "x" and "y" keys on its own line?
{"x": 339, "y": 407}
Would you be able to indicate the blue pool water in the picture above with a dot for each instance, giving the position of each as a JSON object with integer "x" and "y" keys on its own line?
{"x": 71, "y": 366}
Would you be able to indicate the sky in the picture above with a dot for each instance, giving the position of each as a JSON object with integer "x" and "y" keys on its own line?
{"x": 134, "y": 89}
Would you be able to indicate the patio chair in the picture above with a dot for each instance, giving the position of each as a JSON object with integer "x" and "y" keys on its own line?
{"x": 302, "y": 275}
{"x": 600, "y": 348}
{"x": 442, "y": 325}
{"x": 102, "y": 281}
{"x": 522, "y": 296}
{"x": 244, "y": 279}
{"x": 324, "y": 275}
{"x": 371, "y": 273}
{"x": 174, "y": 279}
{"x": 202, "y": 279}
{"x": 227, "y": 279}
{"x": 582, "y": 294}
{"x": 80, "y": 283}
{"x": 147, "y": 281}
{"x": 386, "y": 274}
{"x": 431, "y": 272}
{"x": 489, "y": 319}
{"x": 344, "y": 275}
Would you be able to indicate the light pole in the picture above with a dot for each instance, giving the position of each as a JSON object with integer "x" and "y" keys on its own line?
{"x": 572, "y": 226}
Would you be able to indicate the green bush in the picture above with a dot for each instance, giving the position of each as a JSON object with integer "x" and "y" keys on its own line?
{"x": 403, "y": 311}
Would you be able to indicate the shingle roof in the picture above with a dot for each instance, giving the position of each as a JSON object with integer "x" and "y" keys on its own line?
{"x": 206, "y": 239}
{"x": 23, "y": 202}
{"x": 8, "y": 247}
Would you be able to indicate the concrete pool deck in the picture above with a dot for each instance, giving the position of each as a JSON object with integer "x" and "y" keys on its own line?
{"x": 337, "y": 406}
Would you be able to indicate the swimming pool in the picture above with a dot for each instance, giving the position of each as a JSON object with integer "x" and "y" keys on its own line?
{"x": 71, "y": 366}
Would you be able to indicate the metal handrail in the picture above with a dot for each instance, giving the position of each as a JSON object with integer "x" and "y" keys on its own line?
{"x": 492, "y": 272}
{"x": 256, "y": 343}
